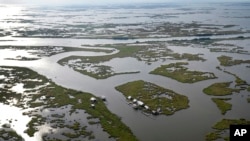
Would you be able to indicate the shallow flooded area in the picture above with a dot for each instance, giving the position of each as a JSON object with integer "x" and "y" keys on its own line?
{"x": 55, "y": 65}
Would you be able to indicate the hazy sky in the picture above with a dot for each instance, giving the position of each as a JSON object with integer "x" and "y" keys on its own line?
{"x": 63, "y": 2}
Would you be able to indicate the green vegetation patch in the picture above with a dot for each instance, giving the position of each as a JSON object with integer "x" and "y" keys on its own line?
{"x": 9, "y": 135}
{"x": 159, "y": 51}
{"x": 155, "y": 97}
{"x": 225, "y": 123}
{"x": 238, "y": 80}
{"x": 36, "y": 120}
{"x": 221, "y": 129}
{"x": 124, "y": 51}
{"x": 89, "y": 65}
{"x": 220, "y": 89}
{"x": 225, "y": 47}
{"x": 222, "y": 104}
{"x": 188, "y": 56}
{"x": 238, "y": 50}
{"x": 17, "y": 76}
{"x": 110, "y": 122}
{"x": 150, "y": 52}
{"x": 228, "y": 61}
{"x": 40, "y": 51}
{"x": 54, "y": 96}
{"x": 180, "y": 73}
{"x": 126, "y": 31}
{"x": 212, "y": 136}
{"x": 99, "y": 71}
{"x": 79, "y": 131}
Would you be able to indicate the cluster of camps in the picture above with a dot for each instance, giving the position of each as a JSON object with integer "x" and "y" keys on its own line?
{"x": 137, "y": 104}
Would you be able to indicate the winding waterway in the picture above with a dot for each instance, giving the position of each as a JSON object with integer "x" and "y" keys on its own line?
{"x": 201, "y": 114}
{"x": 189, "y": 124}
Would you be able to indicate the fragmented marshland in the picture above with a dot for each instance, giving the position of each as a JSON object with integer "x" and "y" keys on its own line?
{"x": 92, "y": 65}
{"x": 223, "y": 89}
{"x": 221, "y": 129}
{"x": 70, "y": 113}
{"x": 9, "y": 134}
{"x": 125, "y": 31}
{"x": 152, "y": 52}
{"x": 151, "y": 98}
{"x": 220, "y": 89}
{"x": 229, "y": 61}
{"x": 214, "y": 44}
{"x": 222, "y": 104}
{"x": 238, "y": 83}
{"x": 36, "y": 52}
{"x": 180, "y": 73}
{"x": 37, "y": 92}
{"x": 229, "y": 48}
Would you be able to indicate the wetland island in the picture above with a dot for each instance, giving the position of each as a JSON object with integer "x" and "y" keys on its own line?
{"x": 123, "y": 72}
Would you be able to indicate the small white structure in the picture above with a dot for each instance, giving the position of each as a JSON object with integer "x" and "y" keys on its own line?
{"x": 158, "y": 110}
{"x": 135, "y": 100}
{"x": 129, "y": 97}
{"x": 146, "y": 107}
{"x": 93, "y": 100}
{"x": 92, "y": 106}
{"x": 43, "y": 97}
{"x": 140, "y": 103}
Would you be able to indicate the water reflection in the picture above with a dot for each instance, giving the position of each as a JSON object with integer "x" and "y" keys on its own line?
{"x": 14, "y": 116}
{"x": 144, "y": 127}
{"x": 202, "y": 113}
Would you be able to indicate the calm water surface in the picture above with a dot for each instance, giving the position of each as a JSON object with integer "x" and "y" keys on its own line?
{"x": 189, "y": 124}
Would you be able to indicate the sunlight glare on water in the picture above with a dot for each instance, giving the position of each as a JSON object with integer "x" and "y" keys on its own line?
{"x": 9, "y": 12}
{"x": 14, "y": 116}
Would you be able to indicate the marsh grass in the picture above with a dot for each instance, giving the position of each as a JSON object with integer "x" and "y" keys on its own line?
{"x": 154, "y": 96}
{"x": 57, "y": 96}
{"x": 221, "y": 129}
{"x": 228, "y": 61}
{"x": 180, "y": 73}
{"x": 220, "y": 89}
{"x": 222, "y": 104}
